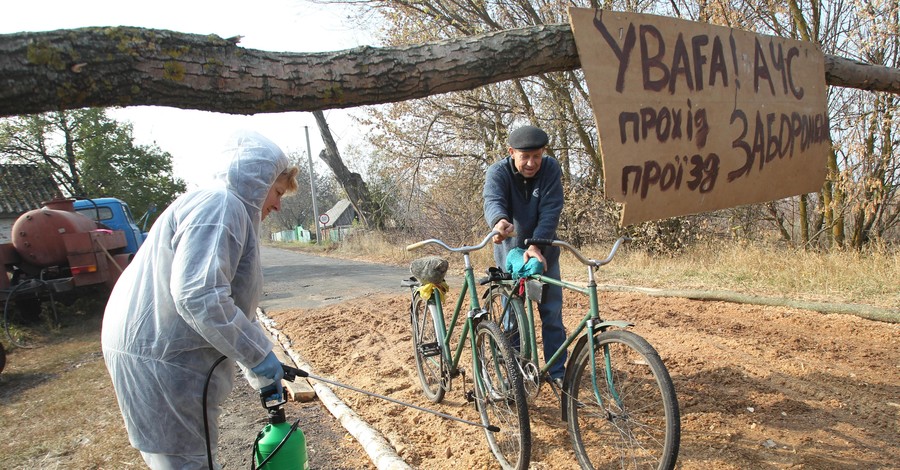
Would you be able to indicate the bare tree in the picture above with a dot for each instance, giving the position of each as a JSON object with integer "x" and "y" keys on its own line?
{"x": 445, "y": 134}
{"x": 353, "y": 184}
{"x": 508, "y": 61}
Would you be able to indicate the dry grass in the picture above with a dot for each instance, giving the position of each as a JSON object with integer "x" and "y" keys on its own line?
{"x": 870, "y": 277}
{"x": 58, "y": 405}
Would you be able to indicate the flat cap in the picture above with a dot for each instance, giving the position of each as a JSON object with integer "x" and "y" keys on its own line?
{"x": 528, "y": 138}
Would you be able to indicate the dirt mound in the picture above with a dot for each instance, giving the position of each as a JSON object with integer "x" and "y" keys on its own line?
{"x": 758, "y": 386}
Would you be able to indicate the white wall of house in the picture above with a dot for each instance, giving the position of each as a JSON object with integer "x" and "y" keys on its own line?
{"x": 6, "y": 230}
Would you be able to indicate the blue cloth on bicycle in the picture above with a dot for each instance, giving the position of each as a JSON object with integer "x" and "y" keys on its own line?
{"x": 519, "y": 268}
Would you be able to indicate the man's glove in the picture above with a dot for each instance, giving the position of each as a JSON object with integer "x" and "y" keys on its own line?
{"x": 518, "y": 267}
{"x": 270, "y": 368}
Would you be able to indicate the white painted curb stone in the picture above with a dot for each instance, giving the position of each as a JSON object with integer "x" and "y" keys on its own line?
{"x": 375, "y": 445}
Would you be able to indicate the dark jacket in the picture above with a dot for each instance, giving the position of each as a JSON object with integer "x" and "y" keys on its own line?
{"x": 532, "y": 205}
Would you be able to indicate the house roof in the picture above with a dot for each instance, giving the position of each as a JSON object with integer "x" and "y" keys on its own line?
{"x": 23, "y": 188}
{"x": 337, "y": 211}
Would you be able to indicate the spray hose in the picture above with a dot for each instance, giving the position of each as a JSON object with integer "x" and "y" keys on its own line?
{"x": 290, "y": 373}
{"x": 205, "y": 419}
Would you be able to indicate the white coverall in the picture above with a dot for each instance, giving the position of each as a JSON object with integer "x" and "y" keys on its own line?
{"x": 188, "y": 298}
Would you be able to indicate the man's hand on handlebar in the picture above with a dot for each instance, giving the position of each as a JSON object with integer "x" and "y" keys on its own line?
{"x": 534, "y": 251}
{"x": 506, "y": 230}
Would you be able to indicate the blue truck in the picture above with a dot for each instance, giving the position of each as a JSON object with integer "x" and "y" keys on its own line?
{"x": 115, "y": 214}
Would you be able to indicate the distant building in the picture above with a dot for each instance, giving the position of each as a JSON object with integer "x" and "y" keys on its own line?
{"x": 340, "y": 221}
{"x": 22, "y": 188}
{"x": 284, "y": 236}
{"x": 303, "y": 235}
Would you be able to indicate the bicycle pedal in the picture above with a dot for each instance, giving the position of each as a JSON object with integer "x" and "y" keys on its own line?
{"x": 470, "y": 396}
{"x": 556, "y": 385}
{"x": 430, "y": 349}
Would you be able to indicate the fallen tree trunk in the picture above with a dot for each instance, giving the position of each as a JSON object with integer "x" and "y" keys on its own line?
{"x": 865, "y": 311}
{"x": 125, "y": 66}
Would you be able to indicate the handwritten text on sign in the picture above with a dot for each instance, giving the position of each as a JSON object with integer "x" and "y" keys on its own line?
{"x": 694, "y": 117}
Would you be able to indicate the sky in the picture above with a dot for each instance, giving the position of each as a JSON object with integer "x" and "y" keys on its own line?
{"x": 194, "y": 138}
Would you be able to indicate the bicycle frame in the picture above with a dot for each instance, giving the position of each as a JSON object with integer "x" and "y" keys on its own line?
{"x": 589, "y": 324}
{"x": 499, "y": 393}
{"x": 648, "y": 431}
{"x": 474, "y": 312}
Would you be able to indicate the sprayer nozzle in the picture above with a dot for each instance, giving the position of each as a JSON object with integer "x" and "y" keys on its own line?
{"x": 493, "y": 428}
{"x": 291, "y": 373}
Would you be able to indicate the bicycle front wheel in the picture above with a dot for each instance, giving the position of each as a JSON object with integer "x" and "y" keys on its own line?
{"x": 635, "y": 423}
{"x": 500, "y": 397}
{"x": 427, "y": 350}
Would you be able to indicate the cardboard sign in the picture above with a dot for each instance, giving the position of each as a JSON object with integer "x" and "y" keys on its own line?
{"x": 694, "y": 117}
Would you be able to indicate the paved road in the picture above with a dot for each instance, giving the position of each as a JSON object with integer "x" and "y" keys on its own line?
{"x": 300, "y": 280}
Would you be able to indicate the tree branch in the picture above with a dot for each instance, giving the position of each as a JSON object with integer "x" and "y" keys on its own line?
{"x": 123, "y": 66}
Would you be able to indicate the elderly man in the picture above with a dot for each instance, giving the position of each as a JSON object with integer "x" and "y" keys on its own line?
{"x": 523, "y": 198}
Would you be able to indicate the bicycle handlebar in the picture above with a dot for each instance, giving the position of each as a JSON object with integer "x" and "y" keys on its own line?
{"x": 584, "y": 260}
{"x": 461, "y": 249}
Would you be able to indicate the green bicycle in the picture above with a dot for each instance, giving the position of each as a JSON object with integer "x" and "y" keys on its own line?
{"x": 499, "y": 394}
{"x": 618, "y": 400}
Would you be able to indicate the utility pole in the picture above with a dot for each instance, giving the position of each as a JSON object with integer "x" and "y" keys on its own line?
{"x": 312, "y": 188}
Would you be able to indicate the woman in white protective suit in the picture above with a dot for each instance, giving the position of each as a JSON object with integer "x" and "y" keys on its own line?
{"x": 190, "y": 297}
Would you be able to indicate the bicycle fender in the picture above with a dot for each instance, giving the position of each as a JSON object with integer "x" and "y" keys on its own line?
{"x": 602, "y": 326}
{"x": 568, "y": 377}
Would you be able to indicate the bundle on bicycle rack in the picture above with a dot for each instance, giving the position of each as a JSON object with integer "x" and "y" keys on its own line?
{"x": 430, "y": 269}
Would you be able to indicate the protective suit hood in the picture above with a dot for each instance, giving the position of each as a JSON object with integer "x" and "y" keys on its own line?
{"x": 255, "y": 163}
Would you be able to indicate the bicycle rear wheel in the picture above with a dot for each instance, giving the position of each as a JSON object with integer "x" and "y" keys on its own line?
{"x": 500, "y": 397}
{"x": 427, "y": 350}
{"x": 636, "y": 423}
{"x": 508, "y": 312}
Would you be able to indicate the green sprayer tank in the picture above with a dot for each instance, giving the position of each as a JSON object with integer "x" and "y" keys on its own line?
{"x": 291, "y": 456}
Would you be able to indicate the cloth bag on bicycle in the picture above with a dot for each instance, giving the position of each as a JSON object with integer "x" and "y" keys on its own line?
{"x": 430, "y": 271}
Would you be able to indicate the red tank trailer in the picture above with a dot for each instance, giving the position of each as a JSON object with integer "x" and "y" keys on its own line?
{"x": 56, "y": 252}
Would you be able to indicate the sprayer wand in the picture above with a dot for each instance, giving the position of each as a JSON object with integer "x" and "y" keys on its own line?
{"x": 291, "y": 373}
